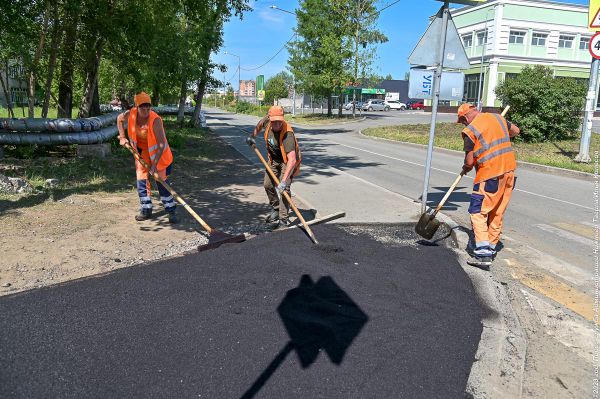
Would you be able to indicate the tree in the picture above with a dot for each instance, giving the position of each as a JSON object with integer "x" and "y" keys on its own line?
{"x": 277, "y": 87}
{"x": 545, "y": 107}
{"x": 389, "y": 77}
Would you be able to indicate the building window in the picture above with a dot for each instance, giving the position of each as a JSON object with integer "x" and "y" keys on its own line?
{"x": 467, "y": 40}
{"x": 16, "y": 71}
{"x": 538, "y": 39}
{"x": 481, "y": 38}
{"x": 584, "y": 43}
{"x": 508, "y": 75}
{"x": 516, "y": 37}
{"x": 565, "y": 41}
{"x": 471, "y": 87}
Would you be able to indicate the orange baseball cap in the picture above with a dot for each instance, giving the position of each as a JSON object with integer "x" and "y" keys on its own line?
{"x": 142, "y": 98}
{"x": 276, "y": 113}
{"x": 463, "y": 110}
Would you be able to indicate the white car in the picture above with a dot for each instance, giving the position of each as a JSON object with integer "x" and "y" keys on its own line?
{"x": 393, "y": 104}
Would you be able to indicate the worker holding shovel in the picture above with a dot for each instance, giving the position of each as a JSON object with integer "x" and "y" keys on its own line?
{"x": 284, "y": 161}
{"x": 488, "y": 148}
{"x": 146, "y": 134}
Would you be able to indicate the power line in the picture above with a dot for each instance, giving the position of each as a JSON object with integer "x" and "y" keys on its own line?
{"x": 271, "y": 59}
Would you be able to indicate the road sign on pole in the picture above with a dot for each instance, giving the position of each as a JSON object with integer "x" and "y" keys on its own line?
{"x": 594, "y": 16}
{"x": 595, "y": 45}
{"x": 420, "y": 84}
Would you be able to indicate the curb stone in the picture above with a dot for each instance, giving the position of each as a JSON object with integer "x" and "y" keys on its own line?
{"x": 522, "y": 164}
{"x": 499, "y": 365}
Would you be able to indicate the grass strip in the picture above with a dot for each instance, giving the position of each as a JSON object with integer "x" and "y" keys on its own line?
{"x": 447, "y": 135}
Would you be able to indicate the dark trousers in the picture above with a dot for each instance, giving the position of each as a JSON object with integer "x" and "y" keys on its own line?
{"x": 278, "y": 169}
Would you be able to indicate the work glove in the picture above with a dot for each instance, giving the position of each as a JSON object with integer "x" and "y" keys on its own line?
{"x": 466, "y": 169}
{"x": 281, "y": 187}
{"x": 250, "y": 140}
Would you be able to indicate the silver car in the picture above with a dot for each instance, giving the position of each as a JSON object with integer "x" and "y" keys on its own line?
{"x": 375, "y": 105}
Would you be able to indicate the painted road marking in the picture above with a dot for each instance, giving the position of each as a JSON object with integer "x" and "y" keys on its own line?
{"x": 569, "y": 297}
{"x": 578, "y": 228}
{"x": 565, "y": 234}
{"x": 454, "y": 173}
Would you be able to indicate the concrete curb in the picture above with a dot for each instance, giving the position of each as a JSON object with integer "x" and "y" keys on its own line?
{"x": 499, "y": 366}
{"x": 524, "y": 165}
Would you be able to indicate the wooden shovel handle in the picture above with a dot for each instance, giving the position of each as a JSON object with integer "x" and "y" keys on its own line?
{"x": 287, "y": 197}
{"x": 443, "y": 201}
{"x": 173, "y": 193}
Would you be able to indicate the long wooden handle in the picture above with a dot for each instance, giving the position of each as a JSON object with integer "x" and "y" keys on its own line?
{"x": 173, "y": 193}
{"x": 443, "y": 201}
{"x": 276, "y": 180}
{"x": 505, "y": 110}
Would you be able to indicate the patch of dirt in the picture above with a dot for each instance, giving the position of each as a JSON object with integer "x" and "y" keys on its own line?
{"x": 83, "y": 235}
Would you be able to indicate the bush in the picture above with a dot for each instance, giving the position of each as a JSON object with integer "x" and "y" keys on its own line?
{"x": 545, "y": 107}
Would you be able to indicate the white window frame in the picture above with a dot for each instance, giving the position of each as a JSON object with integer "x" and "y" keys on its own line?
{"x": 469, "y": 37}
{"x": 585, "y": 40}
{"x": 481, "y": 37}
{"x": 566, "y": 39}
{"x": 518, "y": 35}
{"x": 537, "y": 37}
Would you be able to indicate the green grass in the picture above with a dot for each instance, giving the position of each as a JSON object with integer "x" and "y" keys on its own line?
{"x": 23, "y": 112}
{"x": 115, "y": 173}
{"x": 559, "y": 153}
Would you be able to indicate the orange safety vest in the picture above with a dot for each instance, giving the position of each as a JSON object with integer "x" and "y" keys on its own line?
{"x": 167, "y": 156}
{"x": 493, "y": 153}
{"x": 286, "y": 128}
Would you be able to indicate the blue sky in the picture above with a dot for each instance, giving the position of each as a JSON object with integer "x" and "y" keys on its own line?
{"x": 264, "y": 31}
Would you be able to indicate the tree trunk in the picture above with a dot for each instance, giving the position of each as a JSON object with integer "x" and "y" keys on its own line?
{"x": 11, "y": 113}
{"x": 36, "y": 60}
{"x": 55, "y": 40}
{"x": 182, "y": 96}
{"x": 199, "y": 98}
{"x": 91, "y": 79}
{"x": 155, "y": 97}
{"x": 95, "y": 109}
{"x": 329, "y": 113}
{"x": 65, "y": 86}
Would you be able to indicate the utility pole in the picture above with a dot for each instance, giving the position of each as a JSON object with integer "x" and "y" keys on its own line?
{"x": 485, "y": 37}
{"x": 239, "y": 75}
{"x": 590, "y": 106}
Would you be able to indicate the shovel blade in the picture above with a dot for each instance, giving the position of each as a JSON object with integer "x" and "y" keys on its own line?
{"x": 427, "y": 226}
{"x": 218, "y": 238}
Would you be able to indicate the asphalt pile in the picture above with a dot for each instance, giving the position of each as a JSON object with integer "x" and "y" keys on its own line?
{"x": 273, "y": 317}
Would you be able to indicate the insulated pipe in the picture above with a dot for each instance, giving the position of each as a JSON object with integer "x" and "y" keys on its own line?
{"x": 57, "y": 125}
{"x": 95, "y": 137}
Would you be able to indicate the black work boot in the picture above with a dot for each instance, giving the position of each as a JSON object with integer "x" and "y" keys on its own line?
{"x": 173, "y": 217}
{"x": 273, "y": 216}
{"x": 283, "y": 223}
{"x": 143, "y": 215}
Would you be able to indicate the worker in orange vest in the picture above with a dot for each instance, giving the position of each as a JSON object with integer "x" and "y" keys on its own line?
{"x": 284, "y": 160}
{"x": 146, "y": 133}
{"x": 488, "y": 148}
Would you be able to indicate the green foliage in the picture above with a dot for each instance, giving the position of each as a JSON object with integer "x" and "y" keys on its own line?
{"x": 277, "y": 86}
{"x": 545, "y": 107}
{"x": 229, "y": 97}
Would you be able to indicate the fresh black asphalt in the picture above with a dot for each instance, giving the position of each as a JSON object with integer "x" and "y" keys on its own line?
{"x": 273, "y": 317}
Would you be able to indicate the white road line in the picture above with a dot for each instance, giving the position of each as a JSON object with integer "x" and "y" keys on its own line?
{"x": 454, "y": 173}
{"x": 565, "y": 234}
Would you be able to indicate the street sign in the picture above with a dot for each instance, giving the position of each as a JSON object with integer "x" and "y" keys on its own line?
{"x": 260, "y": 94}
{"x": 420, "y": 84}
{"x": 595, "y": 45}
{"x": 372, "y": 91}
{"x": 427, "y": 51}
{"x": 594, "y": 16}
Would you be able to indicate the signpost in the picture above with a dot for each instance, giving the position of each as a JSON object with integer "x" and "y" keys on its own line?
{"x": 440, "y": 46}
{"x": 420, "y": 82}
{"x": 590, "y": 100}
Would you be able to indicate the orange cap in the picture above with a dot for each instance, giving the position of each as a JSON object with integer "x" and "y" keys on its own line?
{"x": 276, "y": 113}
{"x": 142, "y": 98}
{"x": 463, "y": 110}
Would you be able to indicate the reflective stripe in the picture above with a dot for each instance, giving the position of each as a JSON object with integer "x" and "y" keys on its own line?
{"x": 145, "y": 199}
{"x": 169, "y": 198}
{"x": 150, "y": 149}
{"x": 502, "y": 125}
{"x": 494, "y": 155}
{"x": 492, "y": 145}
{"x": 477, "y": 134}
{"x": 146, "y": 206}
{"x": 169, "y": 205}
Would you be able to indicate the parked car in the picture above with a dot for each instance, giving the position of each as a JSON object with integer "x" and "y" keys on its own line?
{"x": 348, "y": 107}
{"x": 415, "y": 104}
{"x": 395, "y": 104}
{"x": 375, "y": 105}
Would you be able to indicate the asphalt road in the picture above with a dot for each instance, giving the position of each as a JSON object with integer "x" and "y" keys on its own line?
{"x": 550, "y": 214}
{"x": 273, "y": 317}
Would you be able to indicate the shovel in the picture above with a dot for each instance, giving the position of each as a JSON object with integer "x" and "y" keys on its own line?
{"x": 286, "y": 195}
{"x": 428, "y": 224}
{"x": 216, "y": 238}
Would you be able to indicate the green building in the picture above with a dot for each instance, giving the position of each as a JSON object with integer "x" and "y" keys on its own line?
{"x": 502, "y": 36}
